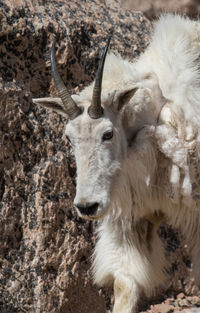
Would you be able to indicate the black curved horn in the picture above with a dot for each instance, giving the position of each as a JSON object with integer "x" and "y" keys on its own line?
{"x": 95, "y": 110}
{"x": 69, "y": 105}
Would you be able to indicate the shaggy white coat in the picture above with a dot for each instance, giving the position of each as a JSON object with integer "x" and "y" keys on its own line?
{"x": 162, "y": 170}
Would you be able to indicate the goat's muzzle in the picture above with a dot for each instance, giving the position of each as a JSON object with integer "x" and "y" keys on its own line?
{"x": 87, "y": 209}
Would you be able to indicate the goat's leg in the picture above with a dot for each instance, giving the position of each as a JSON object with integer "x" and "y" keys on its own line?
{"x": 147, "y": 271}
{"x": 195, "y": 251}
{"x": 196, "y": 269}
{"x": 126, "y": 293}
{"x": 192, "y": 237}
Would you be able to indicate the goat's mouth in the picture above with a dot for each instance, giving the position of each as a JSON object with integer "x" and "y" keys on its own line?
{"x": 91, "y": 211}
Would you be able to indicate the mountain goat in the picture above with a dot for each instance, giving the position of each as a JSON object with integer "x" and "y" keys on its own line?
{"x": 137, "y": 151}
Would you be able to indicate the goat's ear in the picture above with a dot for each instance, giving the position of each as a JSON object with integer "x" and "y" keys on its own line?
{"x": 54, "y": 104}
{"x": 121, "y": 98}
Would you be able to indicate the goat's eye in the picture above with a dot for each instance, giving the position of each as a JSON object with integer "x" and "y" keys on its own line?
{"x": 107, "y": 135}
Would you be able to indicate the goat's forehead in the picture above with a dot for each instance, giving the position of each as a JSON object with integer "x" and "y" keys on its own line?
{"x": 83, "y": 126}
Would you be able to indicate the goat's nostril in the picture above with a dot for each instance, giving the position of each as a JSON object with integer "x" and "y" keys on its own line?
{"x": 87, "y": 208}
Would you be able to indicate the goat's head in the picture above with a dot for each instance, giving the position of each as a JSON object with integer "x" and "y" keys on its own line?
{"x": 98, "y": 137}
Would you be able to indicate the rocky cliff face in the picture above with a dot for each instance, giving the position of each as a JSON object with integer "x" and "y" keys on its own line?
{"x": 44, "y": 248}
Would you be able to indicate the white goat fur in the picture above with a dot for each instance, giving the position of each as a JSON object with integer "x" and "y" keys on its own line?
{"x": 160, "y": 173}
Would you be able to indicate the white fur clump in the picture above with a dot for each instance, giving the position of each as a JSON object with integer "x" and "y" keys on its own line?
{"x": 117, "y": 74}
{"x": 173, "y": 55}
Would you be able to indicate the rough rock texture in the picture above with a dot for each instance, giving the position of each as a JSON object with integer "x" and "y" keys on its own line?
{"x": 152, "y": 8}
{"x": 44, "y": 249}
